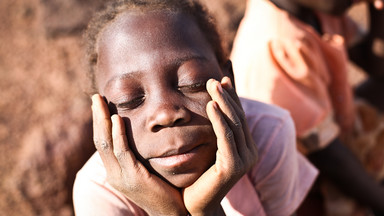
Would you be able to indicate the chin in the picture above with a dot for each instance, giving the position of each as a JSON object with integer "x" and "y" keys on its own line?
{"x": 185, "y": 169}
{"x": 183, "y": 180}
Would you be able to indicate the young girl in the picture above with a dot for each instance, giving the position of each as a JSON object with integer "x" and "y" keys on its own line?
{"x": 179, "y": 140}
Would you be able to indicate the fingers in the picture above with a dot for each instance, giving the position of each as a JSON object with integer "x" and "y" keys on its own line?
{"x": 234, "y": 117}
{"x": 110, "y": 138}
{"x": 124, "y": 172}
{"x": 226, "y": 83}
{"x": 121, "y": 148}
{"x": 225, "y": 136}
{"x": 379, "y": 4}
{"x": 235, "y": 102}
{"x": 235, "y": 130}
{"x": 226, "y": 97}
{"x": 233, "y": 158}
{"x": 102, "y": 133}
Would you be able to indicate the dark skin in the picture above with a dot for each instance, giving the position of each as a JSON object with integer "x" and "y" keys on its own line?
{"x": 369, "y": 55}
{"x": 177, "y": 141}
{"x": 334, "y": 7}
{"x": 335, "y": 161}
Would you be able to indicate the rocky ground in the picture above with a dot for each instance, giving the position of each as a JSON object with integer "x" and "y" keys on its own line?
{"x": 45, "y": 120}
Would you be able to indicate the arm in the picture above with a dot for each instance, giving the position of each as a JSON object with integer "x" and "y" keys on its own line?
{"x": 327, "y": 6}
{"x": 369, "y": 55}
{"x": 338, "y": 164}
{"x": 335, "y": 7}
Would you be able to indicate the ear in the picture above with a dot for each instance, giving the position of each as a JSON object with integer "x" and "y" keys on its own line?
{"x": 228, "y": 71}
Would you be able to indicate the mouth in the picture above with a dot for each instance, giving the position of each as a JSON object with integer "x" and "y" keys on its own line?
{"x": 174, "y": 159}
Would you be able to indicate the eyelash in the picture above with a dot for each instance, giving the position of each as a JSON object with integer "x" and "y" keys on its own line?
{"x": 196, "y": 87}
{"x": 136, "y": 102}
{"x": 132, "y": 104}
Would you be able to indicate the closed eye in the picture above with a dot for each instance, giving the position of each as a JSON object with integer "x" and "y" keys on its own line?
{"x": 131, "y": 104}
{"x": 193, "y": 88}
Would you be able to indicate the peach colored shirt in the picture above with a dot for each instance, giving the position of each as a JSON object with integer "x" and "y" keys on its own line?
{"x": 280, "y": 60}
{"x": 275, "y": 186}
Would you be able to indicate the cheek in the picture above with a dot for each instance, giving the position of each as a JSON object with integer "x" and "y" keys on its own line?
{"x": 198, "y": 105}
{"x": 138, "y": 134}
{"x": 134, "y": 132}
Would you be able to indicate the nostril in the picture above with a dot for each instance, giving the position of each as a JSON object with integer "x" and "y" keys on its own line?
{"x": 167, "y": 115}
{"x": 157, "y": 128}
{"x": 178, "y": 121}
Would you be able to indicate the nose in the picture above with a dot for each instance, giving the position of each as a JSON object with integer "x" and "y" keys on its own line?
{"x": 167, "y": 113}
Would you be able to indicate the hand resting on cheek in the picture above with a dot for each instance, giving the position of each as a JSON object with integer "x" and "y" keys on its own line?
{"x": 124, "y": 171}
{"x": 235, "y": 155}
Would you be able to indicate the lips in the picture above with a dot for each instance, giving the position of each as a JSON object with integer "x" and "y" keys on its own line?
{"x": 174, "y": 159}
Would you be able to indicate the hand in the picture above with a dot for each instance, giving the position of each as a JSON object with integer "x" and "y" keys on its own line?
{"x": 379, "y": 4}
{"x": 236, "y": 153}
{"x": 125, "y": 172}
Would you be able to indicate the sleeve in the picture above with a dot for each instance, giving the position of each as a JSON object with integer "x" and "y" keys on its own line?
{"x": 283, "y": 177}
{"x": 90, "y": 198}
{"x": 303, "y": 77}
{"x": 92, "y": 195}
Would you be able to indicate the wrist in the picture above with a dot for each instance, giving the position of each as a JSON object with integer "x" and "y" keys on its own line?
{"x": 174, "y": 213}
{"x": 172, "y": 210}
{"x": 219, "y": 211}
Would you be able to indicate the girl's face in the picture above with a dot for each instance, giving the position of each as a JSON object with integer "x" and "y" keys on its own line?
{"x": 152, "y": 69}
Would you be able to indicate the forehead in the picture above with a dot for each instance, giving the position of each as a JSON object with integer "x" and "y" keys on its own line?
{"x": 136, "y": 41}
{"x": 145, "y": 27}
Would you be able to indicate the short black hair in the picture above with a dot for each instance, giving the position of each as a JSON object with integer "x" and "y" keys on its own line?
{"x": 113, "y": 8}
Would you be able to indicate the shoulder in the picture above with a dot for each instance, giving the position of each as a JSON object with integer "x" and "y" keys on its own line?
{"x": 265, "y": 117}
{"x": 273, "y": 131}
{"x": 91, "y": 189}
{"x": 272, "y": 128}
{"x": 282, "y": 176}
{"x": 258, "y": 108}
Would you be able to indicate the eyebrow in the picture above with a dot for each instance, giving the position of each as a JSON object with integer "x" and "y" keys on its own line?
{"x": 177, "y": 63}
{"x": 126, "y": 75}
{"x": 180, "y": 61}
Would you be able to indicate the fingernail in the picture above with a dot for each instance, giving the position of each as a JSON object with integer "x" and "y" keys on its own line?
{"x": 229, "y": 82}
{"x": 93, "y": 98}
{"x": 378, "y": 4}
{"x": 215, "y": 105}
{"x": 219, "y": 88}
{"x": 92, "y": 102}
{"x": 114, "y": 119}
